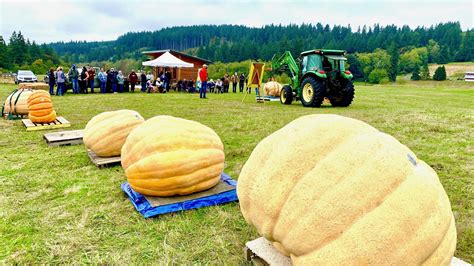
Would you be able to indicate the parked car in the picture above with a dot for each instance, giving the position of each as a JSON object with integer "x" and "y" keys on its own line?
{"x": 25, "y": 76}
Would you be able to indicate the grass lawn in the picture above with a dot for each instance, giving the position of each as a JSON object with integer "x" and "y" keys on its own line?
{"x": 57, "y": 207}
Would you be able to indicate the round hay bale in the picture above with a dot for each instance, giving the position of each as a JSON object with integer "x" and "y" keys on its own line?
{"x": 34, "y": 86}
{"x": 17, "y": 102}
{"x": 273, "y": 88}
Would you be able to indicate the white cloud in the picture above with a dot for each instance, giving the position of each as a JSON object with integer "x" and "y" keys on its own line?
{"x": 48, "y": 21}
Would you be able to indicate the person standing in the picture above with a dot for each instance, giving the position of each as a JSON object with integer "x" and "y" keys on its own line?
{"x": 168, "y": 80}
{"x": 60, "y": 80}
{"x": 132, "y": 78}
{"x": 143, "y": 81}
{"x": 73, "y": 75}
{"x": 51, "y": 81}
{"x": 112, "y": 79}
{"x": 83, "y": 81}
{"x": 241, "y": 82}
{"x": 203, "y": 77}
{"x": 225, "y": 83}
{"x": 102, "y": 81}
{"x": 234, "y": 80}
{"x": 91, "y": 77}
{"x": 120, "y": 81}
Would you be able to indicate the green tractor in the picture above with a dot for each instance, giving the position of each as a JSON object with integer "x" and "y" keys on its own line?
{"x": 315, "y": 75}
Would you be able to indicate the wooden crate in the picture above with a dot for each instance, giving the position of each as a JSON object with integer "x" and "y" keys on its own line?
{"x": 64, "y": 138}
{"x": 103, "y": 161}
{"x": 261, "y": 252}
{"x": 60, "y": 122}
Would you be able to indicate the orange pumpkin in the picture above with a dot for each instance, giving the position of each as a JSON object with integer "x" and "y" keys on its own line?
{"x": 167, "y": 156}
{"x": 40, "y": 107}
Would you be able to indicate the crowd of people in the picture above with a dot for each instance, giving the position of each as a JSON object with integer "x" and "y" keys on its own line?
{"x": 84, "y": 79}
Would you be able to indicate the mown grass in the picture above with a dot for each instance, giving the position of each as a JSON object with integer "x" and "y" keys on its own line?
{"x": 57, "y": 207}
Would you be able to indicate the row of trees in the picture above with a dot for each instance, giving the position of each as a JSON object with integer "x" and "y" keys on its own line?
{"x": 385, "y": 65}
{"x": 20, "y": 53}
{"x": 230, "y": 43}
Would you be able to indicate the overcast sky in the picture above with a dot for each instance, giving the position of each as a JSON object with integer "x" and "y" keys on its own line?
{"x": 49, "y": 21}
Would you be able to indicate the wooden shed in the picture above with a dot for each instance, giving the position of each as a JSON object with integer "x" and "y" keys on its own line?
{"x": 178, "y": 73}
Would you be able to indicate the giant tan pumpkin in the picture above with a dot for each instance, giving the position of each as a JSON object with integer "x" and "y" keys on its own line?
{"x": 168, "y": 156}
{"x": 106, "y": 132}
{"x": 327, "y": 189}
{"x": 272, "y": 88}
{"x": 40, "y": 107}
{"x": 17, "y": 102}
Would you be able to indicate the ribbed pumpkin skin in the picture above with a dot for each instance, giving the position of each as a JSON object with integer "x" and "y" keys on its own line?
{"x": 168, "y": 156}
{"x": 272, "y": 88}
{"x": 21, "y": 98}
{"x": 40, "y": 107}
{"x": 327, "y": 189}
{"x": 106, "y": 132}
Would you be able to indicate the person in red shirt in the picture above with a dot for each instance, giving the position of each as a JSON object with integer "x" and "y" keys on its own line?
{"x": 91, "y": 77}
{"x": 203, "y": 77}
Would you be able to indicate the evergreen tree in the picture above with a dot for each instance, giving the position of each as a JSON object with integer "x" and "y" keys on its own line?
{"x": 416, "y": 74}
{"x": 394, "y": 57}
{"x": 4, "y": 62}
{"x": 18, "y": 48}
{"x": 355, "y": 67}
{"x": 425, "y": 72}
{"x": 466, "y": 51}
{"x": 440, "y": 74}
{"x": 443, "y": 55}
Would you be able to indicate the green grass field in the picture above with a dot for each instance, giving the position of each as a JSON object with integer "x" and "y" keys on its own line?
{"x": 57, "y": 207}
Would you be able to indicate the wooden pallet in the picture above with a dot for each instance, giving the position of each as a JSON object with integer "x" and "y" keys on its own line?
{"x": 103, "y": 161}
{"x": 60, "y": 122}
{"x": 267, "y": 98}
{"x": 64, "y": 138}
{"x": 14, "y": 116}
{"x": 261, "y": 252}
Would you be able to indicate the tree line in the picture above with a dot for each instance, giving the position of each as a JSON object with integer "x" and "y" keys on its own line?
{"x": 230, "y": 43}
{"x": 375, "y": 53}
{"x": 20, "y": 53}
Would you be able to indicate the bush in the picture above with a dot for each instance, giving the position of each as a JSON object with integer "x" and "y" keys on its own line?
{"x": 401, "y": 81}
{"x": 384, "y": 81}
{"x": 416, "y": 74}
{"x": 377, "y": 75}
{"x": 440, "y": 74}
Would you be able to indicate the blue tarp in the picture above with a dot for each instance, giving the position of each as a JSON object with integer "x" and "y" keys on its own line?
{"x": 147, "y": 210}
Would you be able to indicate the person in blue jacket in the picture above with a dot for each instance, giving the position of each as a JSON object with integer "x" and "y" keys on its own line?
{"x": 120, "y": 81}
{"x": 73, "y": 75}
{"x": 102, "y": 81}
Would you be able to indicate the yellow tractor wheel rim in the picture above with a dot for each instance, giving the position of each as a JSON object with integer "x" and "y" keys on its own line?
{"x": 308, "y": 92}
{"x": 283, "y": 96}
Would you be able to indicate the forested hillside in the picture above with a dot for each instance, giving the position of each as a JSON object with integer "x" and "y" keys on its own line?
{"x": 20, "y": 53}
{"x": 228, "y": 43}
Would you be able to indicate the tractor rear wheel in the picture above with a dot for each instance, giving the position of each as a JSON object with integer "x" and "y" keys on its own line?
{"x": 312, "y": 92}
{"x": 286, "y": 95}
{"x": 345, "y": 97}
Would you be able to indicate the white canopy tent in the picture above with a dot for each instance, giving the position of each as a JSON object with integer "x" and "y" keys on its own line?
{"x": 167, "y": 60}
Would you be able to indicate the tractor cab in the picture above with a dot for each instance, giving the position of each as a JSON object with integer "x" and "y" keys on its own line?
{"x": 329, "y": 61}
